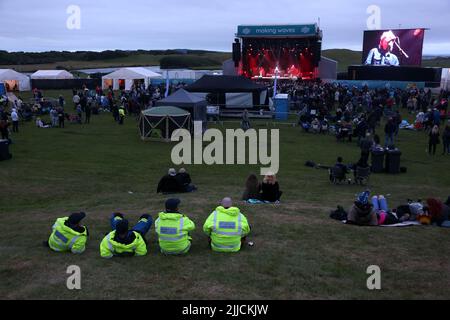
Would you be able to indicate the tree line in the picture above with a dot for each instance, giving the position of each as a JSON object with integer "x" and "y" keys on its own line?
{"x": 18, "y": 58}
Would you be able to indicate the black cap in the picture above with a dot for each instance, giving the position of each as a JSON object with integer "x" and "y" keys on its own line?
{"x": 172, "y": 204}
{"x": 76, "y": 217}
{"x": 122, "y": 226}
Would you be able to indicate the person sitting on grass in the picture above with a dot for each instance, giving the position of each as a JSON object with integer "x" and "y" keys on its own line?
{"x": 68, "y": 234}
{"x": 226, "y": 227}
{"x": 270, "y": 189}
{"x": 41, "y": 124}
{"x": 380, "y": 207}
{"x": 184, "y": 180}
{"x": 439, "y": 211}
{"x": 252, "y": 188}
{"x": 123, "y": 242}
{"x": 173, "y": 229}
{"x": 362, "y": 212}
{"x": 169, "y": 183}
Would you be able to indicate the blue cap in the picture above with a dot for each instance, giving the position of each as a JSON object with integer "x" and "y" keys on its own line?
{"x": 363, "y": 197}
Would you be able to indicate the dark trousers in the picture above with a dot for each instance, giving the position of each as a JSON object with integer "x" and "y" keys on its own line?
{"x": 446, "y": 145}
{"x": 15, "y": 126}
{"x": 88, "y": 118}
{"x": 61, "y": 122}
{"x": 142, "y": 227}
{"x": 5, "y": 134}
{"x": 432, "y": 146}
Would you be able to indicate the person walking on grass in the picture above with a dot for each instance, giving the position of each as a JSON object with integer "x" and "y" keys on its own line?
{"x": 79, "y": 113}
{"x": 446, "y": 140}
{"x": 60, "y": 112}
{"x": 389, "y": 130}
{"x": 121, "y": 114}
{"x": 15, "y": 120}
{"x": 87, "y": 111}
{"x": 433, "y": 140}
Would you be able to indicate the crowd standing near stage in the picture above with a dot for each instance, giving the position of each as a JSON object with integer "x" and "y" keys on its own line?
{"x": 84, "y": 103}
{"x": 350, "y": 112}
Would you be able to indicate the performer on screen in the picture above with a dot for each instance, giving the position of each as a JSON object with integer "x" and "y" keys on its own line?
{"x": 382, "y": 55}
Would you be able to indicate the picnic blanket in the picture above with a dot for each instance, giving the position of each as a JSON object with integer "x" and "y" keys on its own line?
{"x": 402, "y": 224}
{"x": 256, "y": 201}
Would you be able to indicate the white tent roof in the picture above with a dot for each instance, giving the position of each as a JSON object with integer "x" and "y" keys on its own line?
{"x": 52, "y": 74}
{"x": 10, "y": 74}
{"x": 132, "y": 73}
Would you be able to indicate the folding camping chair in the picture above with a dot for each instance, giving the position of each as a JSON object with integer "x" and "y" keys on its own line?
{"x": 362, "y": 175}
{"x": 337, "y": 175}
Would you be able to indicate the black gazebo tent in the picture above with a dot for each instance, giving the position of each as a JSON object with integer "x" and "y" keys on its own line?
{"x": 218, "y": 86}
{"x": 187, "y": 101}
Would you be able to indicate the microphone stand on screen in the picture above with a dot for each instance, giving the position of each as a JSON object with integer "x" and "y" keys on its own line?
{"x": 401, "y": 50}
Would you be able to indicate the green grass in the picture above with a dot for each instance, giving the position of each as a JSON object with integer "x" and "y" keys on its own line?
{"x": 299, "y": 252}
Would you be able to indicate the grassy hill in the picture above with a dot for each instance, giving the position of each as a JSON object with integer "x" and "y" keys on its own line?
{"x": 344, "y": 57}
{"x": 201, "y": 60}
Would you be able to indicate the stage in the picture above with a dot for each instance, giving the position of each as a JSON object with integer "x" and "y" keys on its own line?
{"x": 290, "y": 52}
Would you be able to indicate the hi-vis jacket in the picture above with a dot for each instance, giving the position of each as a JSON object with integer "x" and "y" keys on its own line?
{"x": 110, "y": 248}
{"x": 226, "y": 227}
{"x": 64, "y": 238}
{"x": 173, "y": 232}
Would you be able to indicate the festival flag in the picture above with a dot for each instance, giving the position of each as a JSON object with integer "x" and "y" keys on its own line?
{"x": 167, "y": 84}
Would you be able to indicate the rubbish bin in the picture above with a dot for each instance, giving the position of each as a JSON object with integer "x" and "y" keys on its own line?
{"x": 393, "y": 161}
{"x": 4, "y": 150}
{"x": 378, "y": 161}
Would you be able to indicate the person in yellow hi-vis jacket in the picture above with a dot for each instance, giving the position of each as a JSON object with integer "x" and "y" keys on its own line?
{"x": 173, "y": 229}
{"x": 121, "y": 114}
{"x": 68, "y": 235}
{"x": 227, "y": 227}
{"x": 123, "y": 242}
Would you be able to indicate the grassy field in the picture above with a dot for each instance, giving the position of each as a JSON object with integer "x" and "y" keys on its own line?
{"x": 299, "y": 252}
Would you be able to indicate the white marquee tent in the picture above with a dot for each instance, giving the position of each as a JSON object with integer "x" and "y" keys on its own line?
{"x": 126, "y": 77}
{"x": 14, "y": 80}
{"x": 52, "y": 74}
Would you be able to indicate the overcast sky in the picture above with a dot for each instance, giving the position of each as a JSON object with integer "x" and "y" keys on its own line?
{"x": 206, "y": 24}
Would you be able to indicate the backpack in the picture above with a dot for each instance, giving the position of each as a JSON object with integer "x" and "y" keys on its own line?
{"x": 338, "y": 214}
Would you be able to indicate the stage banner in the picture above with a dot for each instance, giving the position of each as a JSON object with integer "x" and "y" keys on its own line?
{"x": 281, "y": 30}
